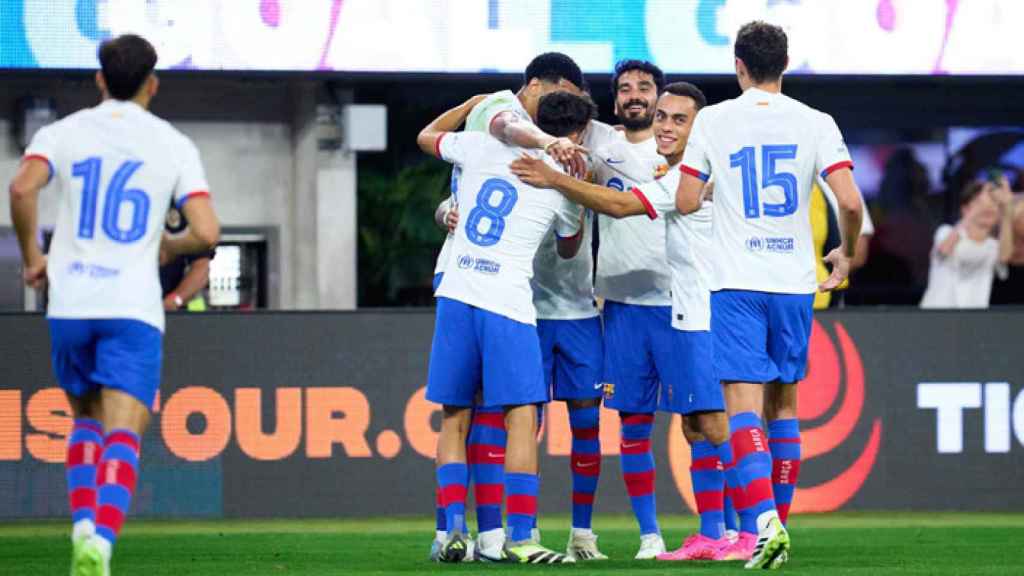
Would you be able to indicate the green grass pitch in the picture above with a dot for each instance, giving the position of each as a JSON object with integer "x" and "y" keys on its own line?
{"x": 848, "y": 543}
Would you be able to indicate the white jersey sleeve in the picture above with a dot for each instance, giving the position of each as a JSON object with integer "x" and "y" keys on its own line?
{"x": 44, "y": 147}
{"x": 191, "y": 177}
{"x": 695, "y": 157}
{"x": 832, "y": 153}
{"x": 456, "y": 147}
{"x": 481, "y": 116}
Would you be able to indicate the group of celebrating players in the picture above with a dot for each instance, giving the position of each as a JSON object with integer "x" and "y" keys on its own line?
{"x": 707, "y": 287}
{"x": 707, "y": 314}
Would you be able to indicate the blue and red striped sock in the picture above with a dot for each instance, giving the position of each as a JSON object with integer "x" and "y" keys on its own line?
{"x": 585, "y": 462}
{"x": 708, "y": 487}
{"x": 85, "y": 446}
{"x": 116, "y": 478}
{"x": 485, "y": 453}
{"x": 727, "y": 508}
{"x": 784, "y": 441}
{"x": 754, "y": 467}
{"x": 521, "y": 490}
{"x": 638, "y": 468}
{"x": 451, "y": 481}
{"x": 440, "y": 522}
{"x": 733, "y": 486}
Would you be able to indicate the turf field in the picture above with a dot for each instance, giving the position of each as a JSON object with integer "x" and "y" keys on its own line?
{"x": 893, "y": 543}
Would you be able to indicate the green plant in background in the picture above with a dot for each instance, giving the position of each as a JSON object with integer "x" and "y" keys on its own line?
{"x": 398, "y": 240}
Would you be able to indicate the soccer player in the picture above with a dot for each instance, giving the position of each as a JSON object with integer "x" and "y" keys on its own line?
{"x": 509, "y": 117}
{"x": 485, "y": 330}
{"x": 116, "y": 168}
{"x": 689, "y": 386}
{"x": 765, "y": 151}
{"x": 633, "y": 278}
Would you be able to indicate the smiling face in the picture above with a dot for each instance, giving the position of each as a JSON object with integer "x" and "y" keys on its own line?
{"x": 673, "y": 120}
{"x": 635, "y": 97}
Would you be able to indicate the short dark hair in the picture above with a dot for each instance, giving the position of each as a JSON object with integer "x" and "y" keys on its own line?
{"x": 972, "y": 190}
{"x": 764, "y": 50}
{"x": 688, "y": 90}
{"x": 562, "y": 113}
{"x": 623, "y": 66}
{"x": 126, "y": 62}
{"x": 552, "y": 67}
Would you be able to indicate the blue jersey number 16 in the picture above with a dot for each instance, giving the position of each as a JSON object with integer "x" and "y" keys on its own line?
{"x": 745, "y": 161}
{"x": 117, "y": 194}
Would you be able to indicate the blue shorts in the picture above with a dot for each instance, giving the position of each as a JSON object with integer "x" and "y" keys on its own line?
{"x": 761, "y": 336}
{"x": 573, "y": 353}
{"x": 688, "y": 381}
{"x": 124, "y": 355}
{"x": 638, "y": 353}
{"x": 473, "y": 346}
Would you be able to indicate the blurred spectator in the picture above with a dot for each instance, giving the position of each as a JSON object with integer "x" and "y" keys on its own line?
{"x": 826, "y": 236}
{"x": 183, "y": 278}
{"x": 905, "y": 223}
{"x": 1010, "y": 290}
{"x": 965, "y": 257}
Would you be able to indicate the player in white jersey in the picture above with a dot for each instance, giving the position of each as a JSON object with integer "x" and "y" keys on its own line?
{"x": 116, "y": 168}
{"x": 633, "y": 279}
{"x": 509, "y": 117}
{"x": 690, "y": 387}
{"x": 485, "y": 330}
{"x": 765, "y": 151}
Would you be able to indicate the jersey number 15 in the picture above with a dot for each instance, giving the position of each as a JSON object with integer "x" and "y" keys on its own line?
{"x": 745, "y": 160}
{"x": 118, "y": 193}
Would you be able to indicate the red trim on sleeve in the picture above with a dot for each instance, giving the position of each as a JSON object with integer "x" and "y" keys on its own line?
{"x": 693, "y": 172}
{"x": 651, "y": 212}
{"x": 191, "y": 195}
{"x": 41, "y": 158}
{"x": 437, "y": 145}
{"x": 837, "y": 166}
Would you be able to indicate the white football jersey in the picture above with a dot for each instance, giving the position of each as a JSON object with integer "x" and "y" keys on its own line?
{"x": 479, "y": 120}
{"x": 765, "y": 150}
{"x": 117, "y": 167}
{"x": 688, "y": 244}
{"x": 563, "y": 288}
{"x": 631, "y": 264}
{"x": 502, "y": 222}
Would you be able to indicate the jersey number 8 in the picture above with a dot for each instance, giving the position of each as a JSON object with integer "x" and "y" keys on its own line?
{"x": 493, "y": 213}
{"x": 89, "y": 171}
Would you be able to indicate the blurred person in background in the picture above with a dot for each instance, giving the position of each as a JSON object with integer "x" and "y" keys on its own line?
{"x": 183, "y": 277}
{"x": 1010, "y": 289}
{"x": 905, "y": 223}
{"x": 965, "y": 257}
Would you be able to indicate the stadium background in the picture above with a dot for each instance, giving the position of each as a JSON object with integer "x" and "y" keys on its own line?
{"x": 908, "y": 407}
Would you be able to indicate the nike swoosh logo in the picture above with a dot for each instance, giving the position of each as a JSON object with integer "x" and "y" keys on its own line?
{"x": 634, "y": 445}
{"x": 493, "y": 455}
{"x": 585, "y": 464}
{"x": 613, "y": 161}
{"x": 598, "y": 386}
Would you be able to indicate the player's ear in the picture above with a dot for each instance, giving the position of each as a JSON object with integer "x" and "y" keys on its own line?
{"x": 152, "y": 85}
{"x": 101, "y": 83}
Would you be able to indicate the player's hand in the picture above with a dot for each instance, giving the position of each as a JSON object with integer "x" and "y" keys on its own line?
{"x": 169, "y": 304}
{"x": 451, "y": 219}
{"x": 34, "y": 274}
{"x": 534, "y": 171}
{"x": 840, "y": 271}
{"x": 570, "y": 155}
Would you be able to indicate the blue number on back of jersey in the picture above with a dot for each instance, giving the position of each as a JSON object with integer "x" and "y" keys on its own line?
{"x": 493, "y": 203}
{"x": 745, "y": 158}
{"x": 118, "y": 193}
